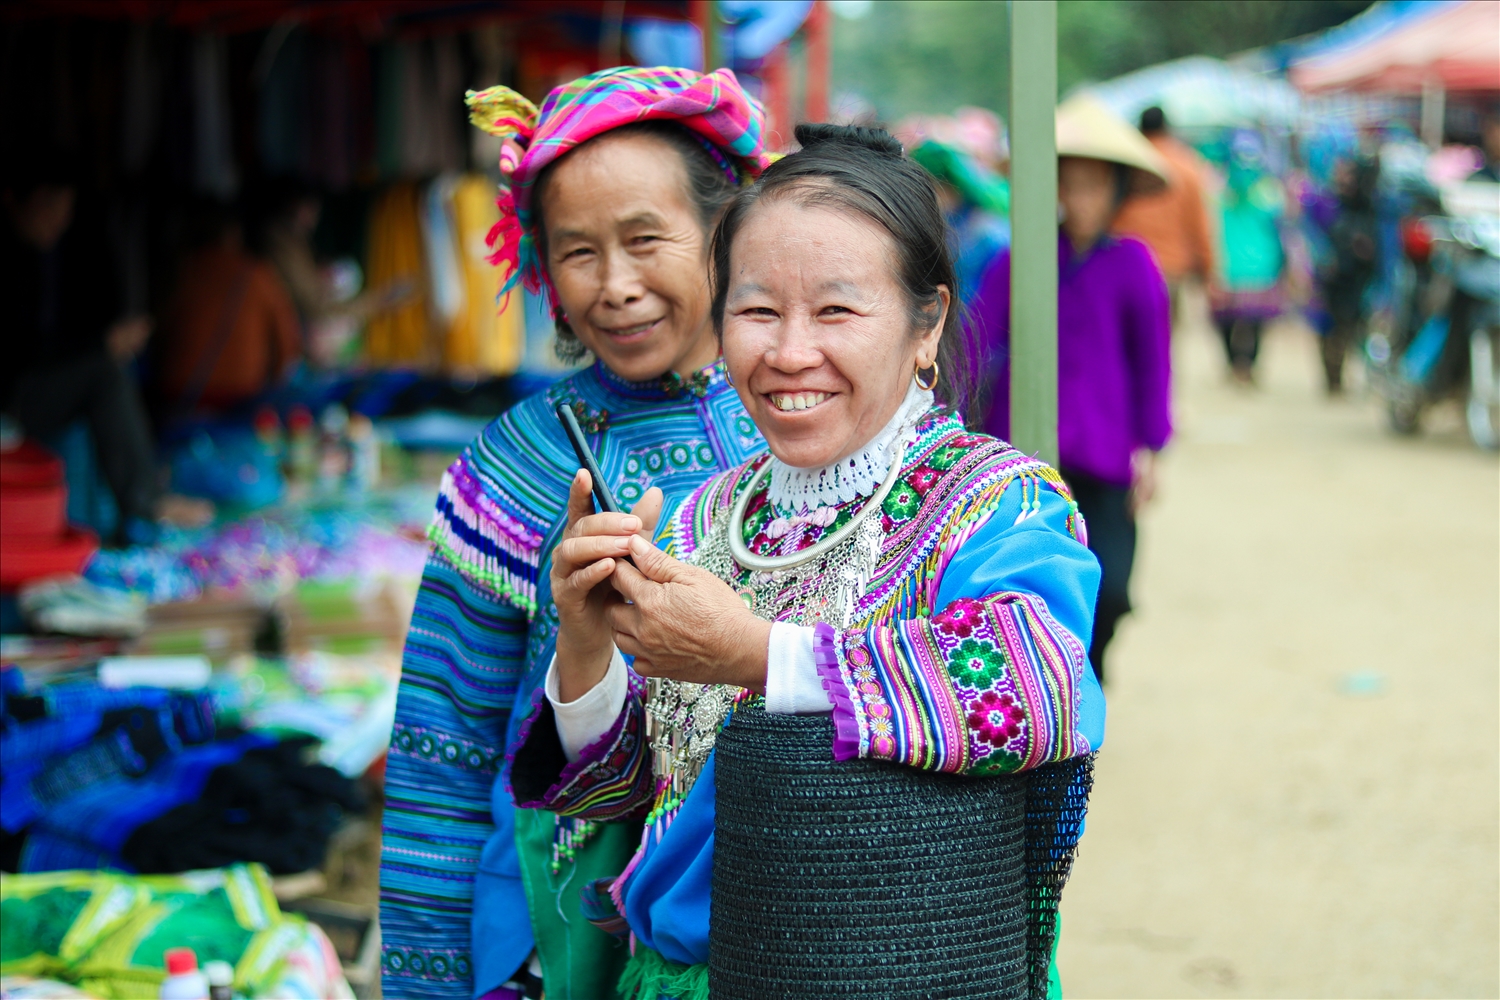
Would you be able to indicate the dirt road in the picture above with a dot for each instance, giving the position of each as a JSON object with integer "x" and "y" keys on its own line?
{"x": 1298, "y": 793}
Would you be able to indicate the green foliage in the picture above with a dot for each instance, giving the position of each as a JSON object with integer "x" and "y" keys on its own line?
{"x": 931, "y": 56}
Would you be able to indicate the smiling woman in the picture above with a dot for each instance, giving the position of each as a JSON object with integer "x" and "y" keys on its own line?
{"x": 623, "y": 223}
{"x": 858, "y": 667}
{"x": 613, "y": 187}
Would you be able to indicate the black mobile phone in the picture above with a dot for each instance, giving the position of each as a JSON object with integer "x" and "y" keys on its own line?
{"x": 602, "y": 495}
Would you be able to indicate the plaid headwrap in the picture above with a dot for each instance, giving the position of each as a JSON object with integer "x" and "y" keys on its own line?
{"x": 729, "y": 122}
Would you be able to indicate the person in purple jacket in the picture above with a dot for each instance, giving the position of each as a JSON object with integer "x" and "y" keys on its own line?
{"x": 1113, "y": 347}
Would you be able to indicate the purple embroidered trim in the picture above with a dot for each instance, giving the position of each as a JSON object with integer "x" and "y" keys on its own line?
{"x": 845, "y": 722}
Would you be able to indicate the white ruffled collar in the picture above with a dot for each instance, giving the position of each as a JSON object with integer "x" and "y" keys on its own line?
{"x": 800, "y": 491}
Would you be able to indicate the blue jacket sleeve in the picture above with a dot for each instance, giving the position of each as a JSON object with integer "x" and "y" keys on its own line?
{"x": 464, "y": 654}
{"x": 995, "y": 679}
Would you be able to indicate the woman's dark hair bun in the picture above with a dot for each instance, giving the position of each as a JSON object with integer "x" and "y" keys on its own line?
{"x": 877, "y": 140}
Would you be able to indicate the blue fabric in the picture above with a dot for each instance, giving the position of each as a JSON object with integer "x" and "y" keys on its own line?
{"x": 451, "y": 892}
{"x": 96, "y": 822}
{"x": 667, "y": 896}
{"x": 501, "y": 934}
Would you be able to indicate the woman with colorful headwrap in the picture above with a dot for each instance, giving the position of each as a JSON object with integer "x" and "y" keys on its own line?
{"x": 613, "y": 187}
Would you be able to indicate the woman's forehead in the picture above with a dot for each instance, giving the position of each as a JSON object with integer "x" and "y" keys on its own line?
{"x": 838, "y": 238}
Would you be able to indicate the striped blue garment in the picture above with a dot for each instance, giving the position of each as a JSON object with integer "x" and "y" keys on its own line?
{"x": 481, "y": 636}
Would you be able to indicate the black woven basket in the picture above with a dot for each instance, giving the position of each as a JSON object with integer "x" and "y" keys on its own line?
{"x": 861, "y": 878}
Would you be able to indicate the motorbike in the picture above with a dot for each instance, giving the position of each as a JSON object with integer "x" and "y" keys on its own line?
{"x": 1440, "y": 339}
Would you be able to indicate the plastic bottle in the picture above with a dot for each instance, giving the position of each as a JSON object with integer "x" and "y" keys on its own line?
{"x": 333, "y": 449}
{"x": 364, "y": 451}
{"x": 220, "y": 980}
{"x": 184, "y": 981}
{"x": 301, "y": 452}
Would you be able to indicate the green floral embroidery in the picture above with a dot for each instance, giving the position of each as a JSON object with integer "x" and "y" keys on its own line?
{"x": 944, "y": 458}
{"x": 902, "y": 503}
{"x": 975, "y": 663}
{"x": 997, "y": 762}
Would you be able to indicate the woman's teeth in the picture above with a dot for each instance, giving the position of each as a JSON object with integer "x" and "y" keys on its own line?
{"x": 797, "y": 400}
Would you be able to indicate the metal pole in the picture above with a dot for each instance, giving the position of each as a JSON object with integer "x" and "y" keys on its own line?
{"x": 1033, "y": 227}
{"x": 705, "y": 14}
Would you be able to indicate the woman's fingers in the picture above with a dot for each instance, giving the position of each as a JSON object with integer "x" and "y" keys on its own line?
{"x": 648, "y": 509}
{"x": 607, "y": 524}
{"x": 653, "y": 562}
{"x": 583, "y": 580}
{"x": 572, "y": 553}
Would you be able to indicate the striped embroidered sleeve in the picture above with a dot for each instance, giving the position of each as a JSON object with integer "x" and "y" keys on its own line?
{"x": 610, "y": 780}
{"x": 985, "y": 686}
{"x": 458, "y": 679}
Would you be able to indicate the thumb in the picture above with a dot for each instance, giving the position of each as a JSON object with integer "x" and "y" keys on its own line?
{"x": 654, "y": 564}
{"x": 580, "y": 497}
{"x": 648, "y": 509}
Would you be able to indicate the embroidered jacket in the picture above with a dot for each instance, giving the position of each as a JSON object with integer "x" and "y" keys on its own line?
{"x": 480, "y": 639}
{"x": 980, "y": 684}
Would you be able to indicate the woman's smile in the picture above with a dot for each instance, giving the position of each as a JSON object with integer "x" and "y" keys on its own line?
{"x": 636, "y": 331}
{"x": 795, "y": 401}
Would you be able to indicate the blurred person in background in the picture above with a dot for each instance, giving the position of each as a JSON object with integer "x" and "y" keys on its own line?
{"x": 1347, "y": 270}
{"x": 230, "y": 330}
{"x": 976, "y": 205}
{"x": 67, "y": 349}
{"x": 1113, "y": 346}
{"x": 1249, "y": 290}
{"x": 1173, "y": 222}
{"x": 287, "y": 212}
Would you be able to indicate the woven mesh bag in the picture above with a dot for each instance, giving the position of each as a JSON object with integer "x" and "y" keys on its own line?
{"x": 862, "y": 878}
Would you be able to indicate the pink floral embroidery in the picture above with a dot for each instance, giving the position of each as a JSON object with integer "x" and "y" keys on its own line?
{"x": 961, "y": 616}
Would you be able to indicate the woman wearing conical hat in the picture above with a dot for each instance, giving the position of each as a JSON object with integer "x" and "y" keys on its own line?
{"x": 613, "y": 187}
{"x": 1113, "y": 344}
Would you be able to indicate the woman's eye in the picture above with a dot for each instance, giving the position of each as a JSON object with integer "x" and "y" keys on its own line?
{"x": 643, "y": 240}
{"x": 576, "y": 253}
{"x": 833, "y": 311}
{"x": 759, "y": 312}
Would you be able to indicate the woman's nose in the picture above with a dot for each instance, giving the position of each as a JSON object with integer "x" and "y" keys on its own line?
{"x": 620, "y": 279}
{"x": 795, "y": 347}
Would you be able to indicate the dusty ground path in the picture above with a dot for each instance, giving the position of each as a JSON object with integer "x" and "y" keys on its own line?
{"x": 1298, "y": 795}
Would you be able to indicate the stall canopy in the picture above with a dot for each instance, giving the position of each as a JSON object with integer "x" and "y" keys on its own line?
{"x": 1406, "y": 48}
{"x": 1201, "y": 92}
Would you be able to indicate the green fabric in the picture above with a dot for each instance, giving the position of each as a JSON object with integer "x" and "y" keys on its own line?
{"x": 649, "y": 975}
{"x": 1250, "y": 237}
{"x": 32, "y": 930}
{"x": 108, "y": 932}
{"x": 974, "y": 183}
{"x": 1054, "y": 981}
{"x": 579, "y": 961}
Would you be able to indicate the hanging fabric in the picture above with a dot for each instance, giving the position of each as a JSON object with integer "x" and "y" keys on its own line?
{"x": 443, "y": 274}
{"x": 400, "y": 336}
{"x": 493, "y": 331}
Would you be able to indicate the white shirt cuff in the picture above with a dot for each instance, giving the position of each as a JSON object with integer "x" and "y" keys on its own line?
{"x": 793, "y": 685}
{"x": 582, "y": 721}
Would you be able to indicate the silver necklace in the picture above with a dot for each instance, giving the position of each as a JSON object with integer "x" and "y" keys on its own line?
{"x": 770, "y": 564}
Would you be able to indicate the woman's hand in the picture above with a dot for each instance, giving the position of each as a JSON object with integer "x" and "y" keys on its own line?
{"x": 581, "y": 564}
{"x": 1142, "y": 480}
{"x": 684, "y": 623}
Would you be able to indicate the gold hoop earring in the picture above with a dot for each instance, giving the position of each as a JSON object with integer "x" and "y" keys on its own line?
{"x": 925, "y": 382}
{"x": 728, "y": 377}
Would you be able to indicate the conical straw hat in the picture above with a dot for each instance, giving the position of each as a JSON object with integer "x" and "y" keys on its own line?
{"x": 1086, "y": 128}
